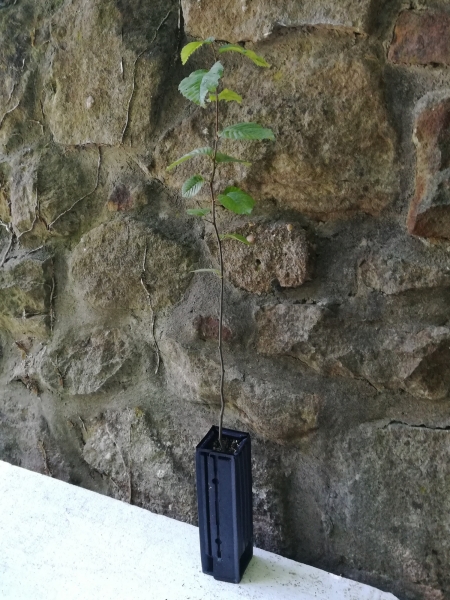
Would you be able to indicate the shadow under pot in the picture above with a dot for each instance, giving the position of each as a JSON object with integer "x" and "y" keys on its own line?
{"x": 224, "y": 495}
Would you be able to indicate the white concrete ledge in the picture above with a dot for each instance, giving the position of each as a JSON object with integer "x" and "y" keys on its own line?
{"x": 61, "y": 542}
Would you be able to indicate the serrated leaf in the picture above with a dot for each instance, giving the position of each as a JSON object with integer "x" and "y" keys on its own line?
{"x": 235, "y": 236}
{"x": 192, "y": 186}
{"x": 247, "y": 131}
{"x": 192, "y": 47}
{"x": 198, "y": 151}
{"x": 198, "y": 212}
{"x": 210, "y": 81}
{"x": 196, "y": 86}
{"x": 225, "y": 158}
{"x": 258, "y": 60}
{"x": 226, "y": 95}
{"x": 237, "y": 201}
{"x": 190, "y": 86}
{"x": 215, "y": 271}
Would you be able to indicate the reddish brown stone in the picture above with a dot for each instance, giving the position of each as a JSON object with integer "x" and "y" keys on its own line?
{"x": 421, "y": 38}
{"x": 120, "y": 199}
{"x": 208, "y": 329}
{"x": 429, "y": 213}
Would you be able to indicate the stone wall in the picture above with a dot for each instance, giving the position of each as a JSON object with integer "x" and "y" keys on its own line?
{"x": 337, "y": 324}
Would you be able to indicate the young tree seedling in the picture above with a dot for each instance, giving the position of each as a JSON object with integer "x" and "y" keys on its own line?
{"x": 204, "y": 87}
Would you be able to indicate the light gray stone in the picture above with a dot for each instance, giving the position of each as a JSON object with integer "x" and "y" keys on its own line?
{"x": 142, "y": 469}
{"x": 393, "y": 274}
{"x": 83, "y": 366}
{"x": 375, "y": 470}
{"x": 281, "y": 326}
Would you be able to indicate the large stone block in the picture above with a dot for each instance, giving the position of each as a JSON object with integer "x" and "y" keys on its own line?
{"x": 277, "y": 255}
{"x": 335, "y": 149}
{"x": 64, "y": 180}
{"x": 429, "y": 213}
{"x": 271, "y": 402}
{"x": 25, "y": 288}
{"x": 411, "y": 358}
{"x": 16, "y": 23}
{"x": 107, "y": 266}
{"x": 83, "y": 366}
{"x": 26, "y": 438}
{"x": 94, "y": 53}
{"x": 243, "y": 20}
{"x": 23, "y": 197}
{"x": 390, "y": 505}
{"x": 139, "y": 462}
{"x": 392, "y": 274}
{"x": 421, "y": 38}
{"x": 282, "y": 326}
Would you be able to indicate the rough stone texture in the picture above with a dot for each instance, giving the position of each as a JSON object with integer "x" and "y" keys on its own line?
{"x": 377, "y": 482}
{"x": 410, "y": 358}
{"x": 318, "y": 165}
{"x": 244, "y": 20}
{"x": 126, "y": 448}
{"x": 273, "y": 407}
{"x": 429, "y": 214}
{"x": 421, "y": 38}
{"x": 108, "y": 264}
{"x": 281, "y": 326}
{"x": 89, "y": 91}
{"x": 277, "y": 255}
{"x": 25, "y": 437}
{"x": 15, "y": 50}
{"x": 63, "y": 177}
{"x": 337, "y": 320}
{"x": 25, "y": 288}
{"x": 85, "y": 366}
{"x": 393, "y": 274}
{"x": 23, "y": 195}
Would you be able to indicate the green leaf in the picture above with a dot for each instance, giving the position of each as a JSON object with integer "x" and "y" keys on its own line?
{"x": 198, "y": 212}
{"x": 215, "y": 271}
{"x": 224, "y": 158}
{"x": 235, "y": 236}
{"x": 198, "y": 151}
{"x": 258, "y": 60}
{"x": 190, "y": 86}
{"x": 192, "y": 47}
{"x": 237, "y": 201}
{"x": 227, "y": 95}
{"x": 247, "y": 131}
{"x": 210, "y": 81}
{"x": 192, "y": 186}
{"x": 196, "y": 86}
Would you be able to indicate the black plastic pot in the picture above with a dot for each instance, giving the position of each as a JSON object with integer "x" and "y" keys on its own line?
{"x": 225, "y": 512}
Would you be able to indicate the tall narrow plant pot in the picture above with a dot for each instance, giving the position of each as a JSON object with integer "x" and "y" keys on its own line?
{"x": 225, "y": 513}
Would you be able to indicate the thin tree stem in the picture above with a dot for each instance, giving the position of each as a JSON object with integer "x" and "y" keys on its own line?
{"x": 219, "y": 246}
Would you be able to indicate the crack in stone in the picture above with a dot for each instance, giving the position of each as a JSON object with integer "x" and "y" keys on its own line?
{"x": 99, "y": 163}
{"x": 421, "y": 426}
